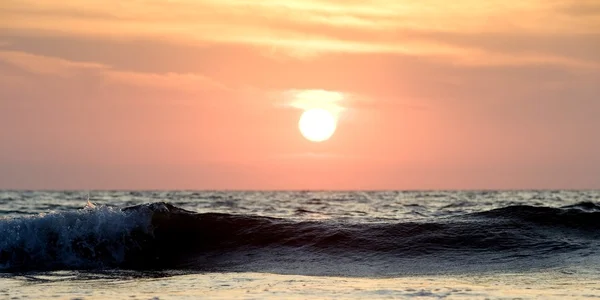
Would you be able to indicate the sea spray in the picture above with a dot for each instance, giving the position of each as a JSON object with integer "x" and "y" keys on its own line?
{"x": 94, "y": 237}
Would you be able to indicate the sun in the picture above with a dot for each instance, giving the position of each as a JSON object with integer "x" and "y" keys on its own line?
{"x": 317, "y": 124}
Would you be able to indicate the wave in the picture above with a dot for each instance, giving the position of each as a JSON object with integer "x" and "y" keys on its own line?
{"x": 158, "y": 236}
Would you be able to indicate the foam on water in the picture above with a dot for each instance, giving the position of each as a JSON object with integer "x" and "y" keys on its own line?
{"x": 86, "y": 238}
{"x": 162, "y": 236}
{"x": 389, "y": 244}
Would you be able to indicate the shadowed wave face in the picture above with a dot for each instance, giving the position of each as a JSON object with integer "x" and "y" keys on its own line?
{"x": 160, "y": 236}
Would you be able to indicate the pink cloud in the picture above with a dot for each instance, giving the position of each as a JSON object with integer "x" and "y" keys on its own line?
{"x": 48, "y": 65}
{"x": 53, "y": 66}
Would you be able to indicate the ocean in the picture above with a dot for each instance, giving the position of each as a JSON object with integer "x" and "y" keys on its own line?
{"x": 299, "y": 245}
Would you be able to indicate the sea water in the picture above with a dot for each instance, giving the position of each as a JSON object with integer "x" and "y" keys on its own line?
{"x": 299, "y": 245}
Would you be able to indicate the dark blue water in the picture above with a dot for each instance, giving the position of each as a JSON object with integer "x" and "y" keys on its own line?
{"x": 356, "y": 234}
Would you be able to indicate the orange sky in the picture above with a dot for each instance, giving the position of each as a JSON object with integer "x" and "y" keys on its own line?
{"x": 206, "y": 94}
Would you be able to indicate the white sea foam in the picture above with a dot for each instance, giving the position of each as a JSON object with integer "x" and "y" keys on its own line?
{"x": 94, "y": 236}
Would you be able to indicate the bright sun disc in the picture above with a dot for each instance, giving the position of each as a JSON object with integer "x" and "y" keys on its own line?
{"x": 317, "y": 124}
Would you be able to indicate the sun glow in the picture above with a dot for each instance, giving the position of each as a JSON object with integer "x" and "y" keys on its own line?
{"x": 317, "y": 124}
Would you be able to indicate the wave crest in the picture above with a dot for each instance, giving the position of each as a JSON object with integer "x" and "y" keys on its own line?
{"x": 160, "y": 235}
{"x": 89, "y": 238}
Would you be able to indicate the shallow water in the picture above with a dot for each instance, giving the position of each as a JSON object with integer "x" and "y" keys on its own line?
{"x": 300, "y": 245}
{"x": 71, "y": 285}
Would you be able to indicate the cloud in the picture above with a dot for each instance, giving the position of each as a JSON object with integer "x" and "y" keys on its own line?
{"x": 582, "y": 8}
{"x": 307, "y": 28}
{"x": 169, "y": 81}
{"x": 63, "y": 68}
{"x": 308, "y": 99}
{"x": 488, "y": 58}
{"x": 47, "y": 65}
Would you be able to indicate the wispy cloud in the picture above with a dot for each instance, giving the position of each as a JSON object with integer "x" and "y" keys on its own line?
{"x": 308, "y": 99}
{"x": 170, "y": 81}
{"x": 52, "y": 66}
{"x": 314, "y": 27}
{"x": 47, "y": 65}
{"x": 582, "y": 8}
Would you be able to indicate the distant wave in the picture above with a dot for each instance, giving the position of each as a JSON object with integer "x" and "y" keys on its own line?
{"x": 161, "y": 236}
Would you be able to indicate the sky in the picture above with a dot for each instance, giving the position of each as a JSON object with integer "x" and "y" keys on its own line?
{"x": 207, "y": 94}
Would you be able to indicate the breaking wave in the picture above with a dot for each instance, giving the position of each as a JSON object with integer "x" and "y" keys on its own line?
{"x": 158, "y": 236}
